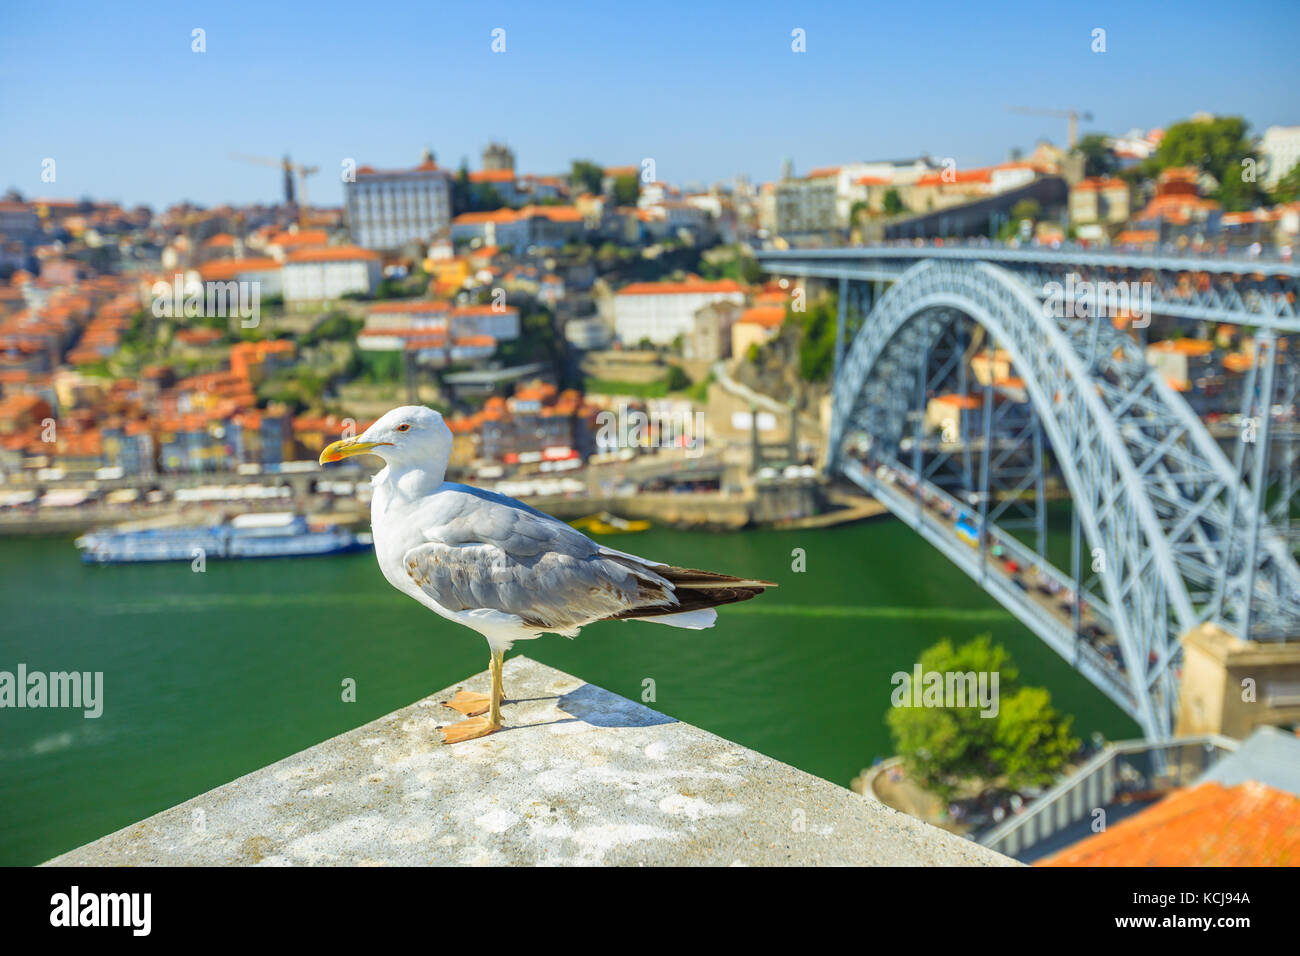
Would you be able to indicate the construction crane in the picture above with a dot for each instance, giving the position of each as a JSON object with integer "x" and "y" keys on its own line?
{"x": 1071, "y": 115}
{"x": 290, "y": 170}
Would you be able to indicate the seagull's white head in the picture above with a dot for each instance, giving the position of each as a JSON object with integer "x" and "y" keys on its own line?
{"x": 410, "y": 436}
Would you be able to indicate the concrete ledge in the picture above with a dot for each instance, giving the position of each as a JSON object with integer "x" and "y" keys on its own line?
{"x": 578, "y": 776}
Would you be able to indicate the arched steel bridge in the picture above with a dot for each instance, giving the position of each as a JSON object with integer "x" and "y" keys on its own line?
{"x": 1168, "y": 529}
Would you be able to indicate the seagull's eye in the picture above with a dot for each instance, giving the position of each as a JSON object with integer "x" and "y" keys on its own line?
{"x": 404, "y": 427}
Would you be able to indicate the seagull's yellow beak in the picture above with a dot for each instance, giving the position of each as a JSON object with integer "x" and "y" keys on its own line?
{"x": 347, "y": 448}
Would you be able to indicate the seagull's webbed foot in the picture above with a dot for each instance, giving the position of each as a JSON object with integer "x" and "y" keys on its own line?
{"x": 469, "y": 703}
{"x": 469, "y": 729}
{"x": 472, "y": 705}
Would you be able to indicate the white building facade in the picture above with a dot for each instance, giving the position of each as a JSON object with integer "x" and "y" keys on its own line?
{"x": 1280, "y": 149}
{"x": 661, "y": 311}
{"x": 388, "y": 209}
{"x": 319, "y": 275}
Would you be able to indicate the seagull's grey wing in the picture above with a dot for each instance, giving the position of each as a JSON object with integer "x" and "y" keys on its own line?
{"x": 489, "y": 554}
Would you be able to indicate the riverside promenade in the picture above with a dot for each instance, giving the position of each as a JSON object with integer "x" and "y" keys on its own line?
{"x": 578, "y": 776}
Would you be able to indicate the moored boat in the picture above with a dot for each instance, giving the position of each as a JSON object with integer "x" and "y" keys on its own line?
{"x": 255, "y": 535}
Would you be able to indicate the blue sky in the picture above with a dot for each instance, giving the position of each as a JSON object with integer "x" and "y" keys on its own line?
{"x": 114, "y": 94}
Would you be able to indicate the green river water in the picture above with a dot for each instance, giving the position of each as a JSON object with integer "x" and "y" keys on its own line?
{"x": 210, "y": 675}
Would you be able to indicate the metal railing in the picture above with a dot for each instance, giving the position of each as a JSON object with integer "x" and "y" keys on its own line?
{"x": 1132, "y": 767}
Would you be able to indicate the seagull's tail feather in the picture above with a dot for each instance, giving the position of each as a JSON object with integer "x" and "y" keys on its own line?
{"x": 697, "y": 593}
{"x": 696, "y": 620}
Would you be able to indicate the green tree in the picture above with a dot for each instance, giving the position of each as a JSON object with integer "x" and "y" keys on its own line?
{"x": 586, "y": 176}
{"x": 486, "y": 198}
{"x": 677, "y": 379}
{"x": 381, "y": 367}
{"x": 467, "y": 196}
{"x": 944, "y": 748}
{"x": 1288, "y": 187}
{"x": 1237, "y": 193}
{"x": 816, "y": 338}
{"x": 1221, "y": 147}
{"x": 335, "y": 327}
{"x": 1026, "y": 209}
{"x": 1098, "y": 159}
{"x": 462, "y": 191}
{"x": 626, "y": 190}
{"x": 892, "y": 202}
{"x": 1215, "y": 146}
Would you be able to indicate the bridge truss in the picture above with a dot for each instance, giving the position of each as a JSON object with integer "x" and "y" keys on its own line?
{"x": 1167, "y": 531}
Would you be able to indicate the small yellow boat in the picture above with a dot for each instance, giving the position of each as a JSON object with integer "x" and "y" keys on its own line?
{"x": 606, "y": 523}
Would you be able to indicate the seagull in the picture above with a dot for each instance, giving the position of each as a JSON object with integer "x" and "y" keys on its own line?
{"x": 503, "y": 569}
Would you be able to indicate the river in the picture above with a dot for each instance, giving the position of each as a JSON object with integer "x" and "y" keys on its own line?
{"x": 211, "y": 675}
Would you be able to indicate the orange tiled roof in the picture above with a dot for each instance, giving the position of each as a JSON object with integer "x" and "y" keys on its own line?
{"x": 768, "y": 316}
{"x": 553, "y": 213}
{"x": 493, "y": 176}
{"x": 956, "y": 177}
{"x": 534, "y": 392}
{"x": 1100, "y": 183}
{"x": 1233, "y": 362}
{"x": 496, "y": 215}
{"x": 198, "y": 336}
{"x": 1251, "y": 824}
{"x": 693, "y": 287}
{"x": 223, "y": 269}
{"x": 417, "y": 306}
{"x": 303, "y": 237}
{"x": 482, "y": 310}
{"x": 332, "y": 254}
{"x": 1183, "y": 346}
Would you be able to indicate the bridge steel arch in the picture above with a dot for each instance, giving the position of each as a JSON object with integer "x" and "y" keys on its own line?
{"x": 1151, "y": 488}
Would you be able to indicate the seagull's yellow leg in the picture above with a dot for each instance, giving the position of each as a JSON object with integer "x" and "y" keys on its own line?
{"x": 498, "y": 691}
{"x": 479, "y": 726}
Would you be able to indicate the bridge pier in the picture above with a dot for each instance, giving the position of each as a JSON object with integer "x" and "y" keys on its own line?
{"x": 1231, "y": 686}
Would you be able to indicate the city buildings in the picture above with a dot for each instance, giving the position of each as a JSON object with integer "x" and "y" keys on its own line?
{"x": 517, "y": 230}
{"x": 267, "y": 272}
{"x": 319, "y": 275}
{"x": 503, "y": 183}
{"x": 386, "y": 209}
{"x": 755, "y": 326}
{"x": 588, "y": 333}
{"x": 710, "y": 337}
{"x": 498, "y": 158}
{"x": 805, "y": 206}
{"x": 662, "y": 311}
{"x": 438, "y": 333}
{"x": 537, "y": 426}
{"x": 1178, "y": 204}
{"x": 1099, "y": 200}
{"x": 1279, "y": 148}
